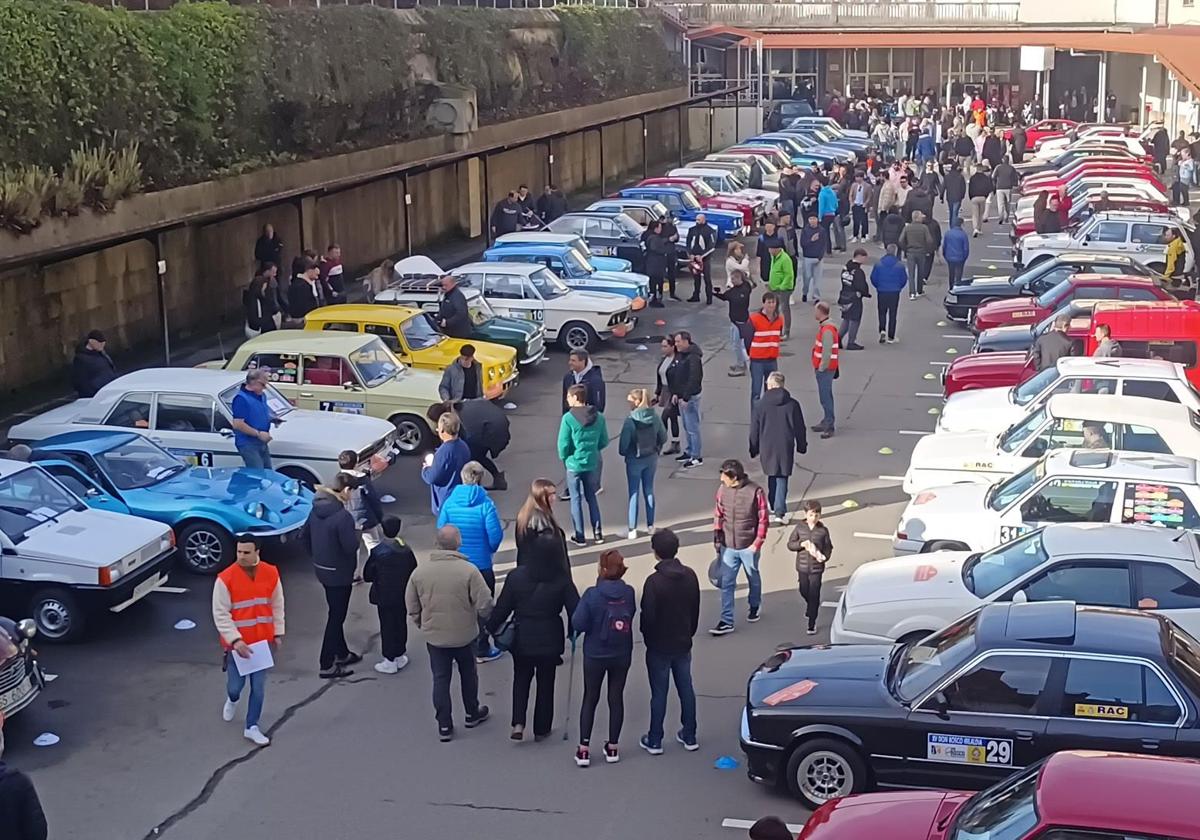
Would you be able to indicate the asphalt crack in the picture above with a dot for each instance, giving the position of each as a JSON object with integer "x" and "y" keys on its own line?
{"x": 474, "y": 807}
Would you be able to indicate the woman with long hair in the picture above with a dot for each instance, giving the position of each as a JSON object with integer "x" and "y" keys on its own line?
{"x": 736, "y": 260}
{"x": 642, "y": 438}
{"x": 662, "y": 394}
{"x": 257, "y": 309}
{"x": 537, "y": 531}
{"x": 378, "y": 279}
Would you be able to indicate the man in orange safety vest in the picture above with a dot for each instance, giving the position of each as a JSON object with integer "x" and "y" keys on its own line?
{"x": 825, "y": 365}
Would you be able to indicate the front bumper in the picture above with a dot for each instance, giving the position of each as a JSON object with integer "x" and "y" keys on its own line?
{"x": 28, "y": 684}
{"x": 764, "y": 762}
{"x": 956, "y": 310}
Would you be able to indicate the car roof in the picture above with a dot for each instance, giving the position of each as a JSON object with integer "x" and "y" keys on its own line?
{"x": 587, "y": 214}
{"x": 542, "y": 237}
{"x": 1139, "y": 794}
{"x": 362, "y": 310}
{"x": 529, "y": 247}
{"x": 1116, "y": 279}
{"x": 201, "y": 380}
{"x": 1130, "y": 466}
{"x": 622, "y": 201}
{"x": 523, "y": 269}
{"x": 1076, "y": 257}
{"x": 91, "y": 441}
{"x": 655, "y": 188}
{"x": 1141, "y": 411}
{"x": 1065, "y": 625}
{"x": 10, "y": 467}
{"x": 1141, "y": 368}
{"x": 698, "y": 170}
{"x": 1103, "y": 539}
{"x": 333, "y": 342}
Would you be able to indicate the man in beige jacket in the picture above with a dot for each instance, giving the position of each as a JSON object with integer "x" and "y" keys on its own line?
{"x": 446, "y": 597}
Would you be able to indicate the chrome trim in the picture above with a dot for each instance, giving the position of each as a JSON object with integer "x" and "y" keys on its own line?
{"x": 276, "y": 532}
{"x": 744, "y": 735}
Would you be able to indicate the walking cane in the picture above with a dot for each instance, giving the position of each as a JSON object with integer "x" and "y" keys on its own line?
{"x": 570, "y": 691}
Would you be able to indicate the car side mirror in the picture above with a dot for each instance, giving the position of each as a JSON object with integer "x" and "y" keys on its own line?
{"x": 350, "y": 386}
{"x": 1019, "y": 597}
{"x": 1087, "y": 238}
{"x": 941, "y": 705}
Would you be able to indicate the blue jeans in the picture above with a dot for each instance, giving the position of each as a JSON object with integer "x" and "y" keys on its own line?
{"x": 825, "y": 394}
{"x": 660, "y": 668}
{"x": 738, "y": 344}
{"x": 759, "y": 368}
{"x": 689, "y": 414}
{"x": 810, "y": 272}
{"x": 234, "y": 682}
{"x": 639, "y": 473}
{"x": 583, "y": 486}
{"x": 952, "y": 209}
{"x": 255, "y": 454}
{"x": 777, "y": 487}
{"x": 731, "y": 560}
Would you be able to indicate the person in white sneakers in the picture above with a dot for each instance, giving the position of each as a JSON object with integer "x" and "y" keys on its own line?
{"x": 247, "y": 608}
{"x": 388, "y": 568}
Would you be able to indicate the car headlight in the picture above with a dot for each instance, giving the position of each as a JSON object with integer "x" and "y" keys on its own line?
{"x": 27, "y": 627}
{"x": 491, "y": 374}
{"x": 256, "y": 509}
{"x": 110, "y": 574}
{"x": 291, "y": 487}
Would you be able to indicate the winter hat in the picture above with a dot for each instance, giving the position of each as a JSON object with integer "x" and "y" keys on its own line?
{"x": 770, "y": 828}
{"x": 612, "y": 565}
{"x": 96, "y": 335}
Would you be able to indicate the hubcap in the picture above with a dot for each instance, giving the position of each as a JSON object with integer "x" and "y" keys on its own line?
{"x": 203, "y": 550}
{"x": 577, "y": 338}
{"x": 53, "y": 618}
{"x": 823, "y": 776}
{"x": 408, "y": 435}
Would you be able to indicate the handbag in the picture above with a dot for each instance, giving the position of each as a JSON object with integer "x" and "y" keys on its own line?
{"x": 506, "y": 637}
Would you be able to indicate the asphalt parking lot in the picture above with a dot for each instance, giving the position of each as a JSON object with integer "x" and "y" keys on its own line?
{"x": 144, "y": 753}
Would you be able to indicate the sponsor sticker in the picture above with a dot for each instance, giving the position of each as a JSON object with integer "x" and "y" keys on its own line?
{"x": 924, "y": 573}
{"x": 1105, "y": 711}
{"x": 793, "y": 692}
{"x": 340, "y": 407}
{"x": 968, "y": 749}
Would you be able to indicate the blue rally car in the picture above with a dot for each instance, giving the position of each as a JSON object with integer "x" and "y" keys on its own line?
{"x": 576, "y": 271}
{"x": 127, "y": 473}
{"x": 570, "y": 240}
{"x": 683, "y": 205}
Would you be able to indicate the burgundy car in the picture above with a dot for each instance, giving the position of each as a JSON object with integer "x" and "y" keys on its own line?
{"x": 1027, "y": 310}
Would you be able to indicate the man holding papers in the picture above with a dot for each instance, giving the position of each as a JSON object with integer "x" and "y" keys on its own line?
{"x": 247, "y": 608}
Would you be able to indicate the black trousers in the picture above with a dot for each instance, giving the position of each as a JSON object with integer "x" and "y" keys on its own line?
{"x": 672, "y": 271}
{"x": 441, "y": 663}
{"x": 670, "y": 419}
{"x": 955, "y": 270}
{"x": 480, "y": 453}
{"x": 858, "y": 214}
{"x": 1179, "y": 194}
{"x": 333, "y": 643}
{"x": 393, "y": 631}
{"x": 888, "y": 307}
{"x": 595, "y": 671}
{"x": 525, "y": 669}
{"x": 706, "y": 276}
{"x": 656, "y": 285}
{"x": 810, "y": 591}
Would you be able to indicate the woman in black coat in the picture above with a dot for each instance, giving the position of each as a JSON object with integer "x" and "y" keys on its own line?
{"x": 536, "y": 594}
{"x": 776, "y": 435}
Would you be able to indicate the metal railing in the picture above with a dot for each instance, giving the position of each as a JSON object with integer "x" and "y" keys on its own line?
{"x": 793, "y": 14}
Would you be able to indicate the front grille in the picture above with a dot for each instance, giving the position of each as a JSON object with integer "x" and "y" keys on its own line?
{"x": 619, "y": 318}
{"x": 12, "y": 674}
{"x": 371, "y": 451}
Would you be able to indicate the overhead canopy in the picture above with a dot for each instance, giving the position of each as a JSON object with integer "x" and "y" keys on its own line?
{"x": 723, "y": 37}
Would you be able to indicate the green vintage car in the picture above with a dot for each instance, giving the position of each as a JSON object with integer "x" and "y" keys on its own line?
{"x": 423, "y": 290}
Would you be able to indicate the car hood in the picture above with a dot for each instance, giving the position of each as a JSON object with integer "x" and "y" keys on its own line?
{"x": 96, "y": 538}
{"x": 510, "y": 328}
{"x": 977, "y": 363}
{"x": 842, "y": 676}
{"x": 1003, "y": 310}
{"x": 228, "y": 485}
{"x": 338, "y": 431}
{"x": 897, "y": 815}
{"x": 589, "y": 302}
{"x": 1010, "y": 338}
{"x": 953, "y": 510}
{"x": 631, "y": 278}
{"x": 980, "y": 410}
{"x": 987, "y": 284}
{"x": 919, "y": 577}
{"x": 953, "y": 451}
{"x": 1059, "y": 241}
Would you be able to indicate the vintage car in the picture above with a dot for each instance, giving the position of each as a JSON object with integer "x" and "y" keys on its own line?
{"x": 570, "y": 240}
{"x": 1091, "y": 203}
{"x": 803, "y": 150}
{"x": 345, "y": 373}
{"x": 1141, "y": 236}
{"x": 416, "y": 341}
{"x": 188, "y": 412}
{"x": 21, "y": 679}
{"x": 1066, "y": 421}
{"x": 1068, "y": 157}
{"x": 1072, "y": 485}
{"x": 206, "y": 507}
{"x": 63, "y": 561}
{"x": 576, "y": 271}
{"x": 1030, "y": 310}
{"x": 607, "y": 233}
{"x": 1043, "y": 128}
{"x": 725, "y": 181}
{"x": 1020, "y": 337}
{"x": 752, "y": 209}
{"x": 684, "y": 204}
{"x": 646, "y": 211}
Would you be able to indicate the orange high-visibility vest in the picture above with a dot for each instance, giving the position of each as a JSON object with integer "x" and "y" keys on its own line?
{"x": 251, "y": 601}
{"x": 833, "y": 353}
{"x": 767, "y": 335}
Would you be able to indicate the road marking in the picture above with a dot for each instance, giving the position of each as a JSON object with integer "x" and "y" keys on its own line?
{"x": 929, "y": 394}
{"x": 914, "y": 432}
{"x": 891, "y": 478}
{"x": 745, "y": 825}
{"x": 867, "y": 535}
{"x": 829, "y": 604}
{"x": 940, "y": 364}
{"x": 999, "y": 247}
{"x": 960, "y": 337}
{"x": 173, "y": 590}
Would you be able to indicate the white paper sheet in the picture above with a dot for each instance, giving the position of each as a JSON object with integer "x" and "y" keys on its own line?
{"x": 260, "y": 659}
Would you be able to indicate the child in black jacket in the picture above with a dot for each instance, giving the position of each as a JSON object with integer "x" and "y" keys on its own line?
{"x": 388, "y": 568}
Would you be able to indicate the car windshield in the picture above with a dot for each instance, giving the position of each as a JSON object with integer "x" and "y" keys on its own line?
{"x": 276, "y": 402}
{"x": 1030, "y": 388}
{"x": 702, "y": 189}
{"x": 30, "y": 498}
{"x": 419, "y": 333}
{"x": 658, "y": 209}
{"x": 984, "y": 573}
{"x": 1018, "y": 433}
{"x": 138, "y": 463}
{"x": 688, "y": 199}
{"x": 1004, "y": 493}
{"x": 791, "y": 110}
{"x": 481, "y": 311}
{"x": 576, "y": 264}
{"x": 1005, "y": 811}
{"x": 929, "y": 660}
{"x": 1052, "y": 294}
{"x": 627, "y": 225}
{"x": 375, "y": 363}
{"x": 548, "y": 284}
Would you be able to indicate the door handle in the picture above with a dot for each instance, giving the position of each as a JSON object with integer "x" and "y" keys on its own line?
{"x": 306, "y": 393}
{"x": 156, "y": 439}
{"x": 1024, "y": 734}
{"x": 1150, "y": 743}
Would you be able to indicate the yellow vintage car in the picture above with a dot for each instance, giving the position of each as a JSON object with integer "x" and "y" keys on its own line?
{"x": 347, "y": 373}
{"x": 412, "y": 336}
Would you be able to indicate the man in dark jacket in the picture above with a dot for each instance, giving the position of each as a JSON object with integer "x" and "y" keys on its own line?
{"x": 979, "y": 190}
{"x": 956, "y": 190}
{"x": 701, "y": 242}
{"x": 935, "y": 236}
{"x": 850, "y": 299}
{"x": 776, "y": 434}
{"x": 964, "y": 150}
{"x": 551, "y": 204}
{"x": 931, "y": 182}
{"x": 890, "y": 228}
{"x": 1005, "y": 179}
{"x": 737, "y": 295}
{"x": 918, "y": 199}
{"x": 1051, "y": 345}
{"x": 768, "y": 239}
{"x": 810, "y": 540}
{"x": 454, "y": 317}
{"x": 21, "y": 813}
{"x": 993, "y": 149}
{"x": 506, "y": 215}
{"x": 1020, "y": 142}
{"x": 671, "y": 233}
{"x": 306, "y": 291}
{"x": 388, "y": 568}
{"x": 92, "y": 367}
{"x": 670, "y": 616}
{"x": 331, "y": 540}
{"x": 686, "y": 380}
{"x": 485, "y": 428}
{"x": 740, "y": 518}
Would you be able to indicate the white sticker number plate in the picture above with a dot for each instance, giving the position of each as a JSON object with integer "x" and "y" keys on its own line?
{"x": 968, "y": 749}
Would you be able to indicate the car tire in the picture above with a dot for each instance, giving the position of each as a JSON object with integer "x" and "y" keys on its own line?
{"x": 944, "y": 545}
{"x": 204, "y": 547}
{"x": 58, "y": 614}
{"x": 823, "y": 769}
{"x": 307, "y": 480}
{"x": 578, "y": 335}
{"x": 413, "y": 434}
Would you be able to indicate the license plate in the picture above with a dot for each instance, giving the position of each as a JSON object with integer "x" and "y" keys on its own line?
{"x": 16, "y": 695}
{"x": 147, "y": 586}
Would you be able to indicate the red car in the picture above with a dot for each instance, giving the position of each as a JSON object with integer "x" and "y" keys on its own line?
{"x": 984, "y": 370}
{"x": 1094, "y": 167}
{"x": 1030, "y": 310}
{"x": 1069, "y": 796}
{"x": 1043, "y": 129}
{"x": 708, "y": 197}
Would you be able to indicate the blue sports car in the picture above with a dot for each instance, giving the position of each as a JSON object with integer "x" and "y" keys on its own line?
{"x": 127, "y": 473}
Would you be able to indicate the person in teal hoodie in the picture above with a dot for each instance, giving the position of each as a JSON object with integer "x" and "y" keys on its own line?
{"x": 643, "y": 436}
{"x": 827, "y": 209}
{"x": 581, "y": 436}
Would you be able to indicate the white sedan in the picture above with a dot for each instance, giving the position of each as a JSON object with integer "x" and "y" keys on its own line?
{"x": 1066, "y": 421}
{"x": 188, "y": 411}
{"x": 906, "y": 598}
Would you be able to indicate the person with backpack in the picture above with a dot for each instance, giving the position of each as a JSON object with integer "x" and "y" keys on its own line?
{"x": 388, "y": 568}
{"x": 642, "y": 438}
{"x": 604, "y": 616}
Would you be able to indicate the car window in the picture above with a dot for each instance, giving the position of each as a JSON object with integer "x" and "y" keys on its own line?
{"x": 284, "y": 367}
{"x": 1085, "y": 385}
{"x": 327, "y": 371}
{"x": 1109, "y": 232}
{"x": 1147, "y": 234}
{"x": 505, "y": 286}
{"x": 419, "y": 333}
{"x": 340, "y": 326}
{"x": 386, "y": 333}
{"x": 1006, "y": 811}
{"x": 1018, "y": 433}
{"x": 1154, "y": 389}
{"x": 69, "y": 478}
{"x": 1115, "y": 690}
{"x": 1065, "y": 433}
{"x": 1135, "y": 293}
{"x": 132, "y": 412}
{"x": 936, "y": 656}
{"x": 984, "y": 573}
{"x": 1071, "y": 500}
{"x": 1093, "y": 293}
{"x": 568, "y": 224}
{"x": 600, "y": 228}
{"x": 1181, "y": 352}
{"x": 138, "y": 463}
{"x": 1133, "y": 438}
{"x": 1000, "y": 685}
{"x": 1161, "y": 587}
{"x": 29, "y": 498}
{"x": 1165, "y": 505}
{"x": 1101, "y": 584}
{"x": 185, "y": 413}
{"x": 1077, "y": 834}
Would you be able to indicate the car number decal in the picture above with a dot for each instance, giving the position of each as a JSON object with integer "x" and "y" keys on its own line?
{"x": 1106, "y": 711}
{"x": 341, "y": 407}
{"x": 793, "y": 692}
{"x": 1011, "y": 532}
{"x": 924, "y": 573}
{"x": 968, "y": 749}
{"x": 194, "y": 457}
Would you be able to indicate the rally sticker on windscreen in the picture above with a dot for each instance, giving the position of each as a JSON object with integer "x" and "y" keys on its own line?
{"x": 1104, "y": 711}
{"x": 967, "y": 749}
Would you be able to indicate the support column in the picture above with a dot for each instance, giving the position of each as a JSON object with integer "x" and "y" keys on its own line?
{"x": 307, "y": 210}
{"x": 645, "y": 163}
{"x": 1142, "y": 98}
{"x": 711, "y": 118}
{"x": 603, "y": 180}
{"x": 1101, "y": 85}
{"x": 681, "y": 113}
{"x": 760, "y": 78}
{"x": 949, "y": 54}
{"x": 1174, "y": 111}
{"x": 406, "y": 199}
{"x": 487, "y": 192}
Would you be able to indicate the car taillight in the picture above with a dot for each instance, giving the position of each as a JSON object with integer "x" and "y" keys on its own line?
{"x": 901, "y": 535}
{"x": 924, "y": 497}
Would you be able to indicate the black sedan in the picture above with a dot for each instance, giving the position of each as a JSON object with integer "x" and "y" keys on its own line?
{"x": 997, "y": 690}
{"x": 1018, "y": 337}
{"x": 962, "y": 301}
{"x": 607, "y": 234}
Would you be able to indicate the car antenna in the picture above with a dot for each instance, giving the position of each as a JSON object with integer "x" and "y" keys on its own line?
{"x": 221, "y": 345}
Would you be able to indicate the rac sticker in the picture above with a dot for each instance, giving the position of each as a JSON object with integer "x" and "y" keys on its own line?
{"x": 793, "y": 692}
{"x": 1104, "y": 711}
{"x": 924, "y": 573}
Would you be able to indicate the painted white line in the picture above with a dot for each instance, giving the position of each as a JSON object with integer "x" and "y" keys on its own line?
{"x": 937, "y": 396}
{"x": 940, "y": 364}
{"x": 830, "y": 604}
{"x": 867, "y": 535}
{"x": 915, "y": 432}
{"x": 891, "y": 478}
{"x": 173, "y": 590}
{"x": 960, "y": 337}
{"x": 999, "y": 247}
{"x": 745, "y": 825}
